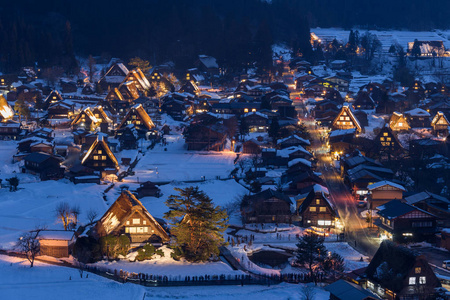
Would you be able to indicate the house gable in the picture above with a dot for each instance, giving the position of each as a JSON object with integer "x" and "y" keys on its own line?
{"x": 99, "y": 156}
{"x": 128, "y": 215}
{"x": 346, "y": 120}
{"x": 139, "y": 117}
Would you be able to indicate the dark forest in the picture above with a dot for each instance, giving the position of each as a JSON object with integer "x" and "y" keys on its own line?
{"x": 236, "y": 32}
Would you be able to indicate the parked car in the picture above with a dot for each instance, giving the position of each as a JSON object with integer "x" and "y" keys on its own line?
{"x": 362, "y": 204}
{"x": 446, "y": 264}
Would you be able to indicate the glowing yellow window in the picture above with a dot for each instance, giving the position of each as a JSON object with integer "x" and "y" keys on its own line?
{"x": 312, "y": 208}
{"x": 246, "y": 110}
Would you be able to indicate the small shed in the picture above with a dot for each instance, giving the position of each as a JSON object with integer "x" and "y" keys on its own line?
{"x": 56, "y": 243}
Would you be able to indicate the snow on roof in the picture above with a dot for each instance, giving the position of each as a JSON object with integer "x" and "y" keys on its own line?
{"x": 256, "y": 113}
{"x": 56, "y": 235}
{"x": 294, "y": 137}
{"x": 299, "y": 160}
{"x": 342, "y": 132}
{"x": 320, "y": 188}
{"x": 417, "y": 112}
{"x": 289, "y": 150}
{"x": 208, "y": 61}
{"x": 423, "y": 196}
{"x": 383, "y": 183}
{"x": 123, "y": 68}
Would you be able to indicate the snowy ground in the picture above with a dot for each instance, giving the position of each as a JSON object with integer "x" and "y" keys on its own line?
{"x": 168, "y": 266}
{"x": 387, "y": 38}
{"x": 19, "y": 281}
{"x": 177, "y": 163}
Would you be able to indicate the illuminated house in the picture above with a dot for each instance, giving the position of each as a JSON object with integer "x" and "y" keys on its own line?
{"x": 139, "y": 118}
{"x": 54, "y": 97}
{"x": 384, "y": 191}
{"x": 114, "y": 76}
{"x": 189, "y": 87}
{"x": 403, "y": 222}
{"x": 317, "y": 210}
{"x": 386, "y": 142}
{"x": 398, "y": 122}
{"x": 440, "y": 124}
{"x": 396, "y": 272}
{"x": 114, "y": 94}
{"x": 86, "y": 120}
{"x": 139, "y": 79}
{"x": 364, "y": 101}
{"x": 6, "y": 111}
{"x": 418, "y": 117}
{"x": 128, "y": 216}
{"x": 346, "y": 120}
{"x": 99, "y": 157}
{"x": 90, "y": 119}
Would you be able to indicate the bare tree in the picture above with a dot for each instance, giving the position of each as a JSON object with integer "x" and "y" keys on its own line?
{"x": 74, "y": 211}
{"x": 29, "y": 244}
{"x": 63, "y": 213}
{"x": 81, "y": 267}
{"x": 92, "y": 215}
{"x": 308, "y": 292}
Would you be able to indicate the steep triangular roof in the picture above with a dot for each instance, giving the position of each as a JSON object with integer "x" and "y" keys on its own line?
{"x": 114, "y": 94}
{"x": 391, "y": 264}
{"x": 88, "y": 113}
{"x": 316, "y": 192}
{"x": 139, "y": 110}
{"x": 124, "y": 207}
{"x": 6, "y": 111}
{"x": 139, "y": 78}
{"x": 397, "y": 118}
{"x": 117, "y": 69}
{"x": 102, "y": 114}
{"x": 53, "y": 97}
{"x": 99, "y": 143}
{"x": 440, "y": 119}
{"x": 340, "y": 123}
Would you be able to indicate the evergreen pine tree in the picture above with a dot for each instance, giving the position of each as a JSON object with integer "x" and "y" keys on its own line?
{"x": 310, "y": 251}
{"x": 197, "y": 224}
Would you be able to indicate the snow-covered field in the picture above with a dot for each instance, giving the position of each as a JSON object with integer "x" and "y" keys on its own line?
{"x": 178, "y": 164}
{"x": 34, "y": 205}
{"x": 387, "y": 38}
{"x": 19, "y": 281}
{"x": 166, "y": 265}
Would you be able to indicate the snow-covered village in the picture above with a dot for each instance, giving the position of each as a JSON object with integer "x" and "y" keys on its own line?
{"x": 224, "y": 150}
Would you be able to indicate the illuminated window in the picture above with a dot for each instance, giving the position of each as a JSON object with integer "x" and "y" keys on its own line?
{"x": 317, "y": 201}
{"x": 132, "y": 229}
{"x": 400, "y": 124}
{"x": 99, "y": 151}
{"x": 385, "y": 134}
{"x": 103, "y": 157}
{"x": 312, "y": 208}
{"x": 388, "y": 139}
{"x": 246, "y": 110}
{"x": 418, "y": 270}
{"x": 412, "y": 280}
{"x": 95, "y": 157}
{"x": 422, "y": 280}
{"x": 136, "y": 221}
{"x": 381, "y": 138}
{"x": 253, "y": 109}
{"x": 323, "y": 209}
{"x": 128, "y": 222}
{"x": 144, "y": 222}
